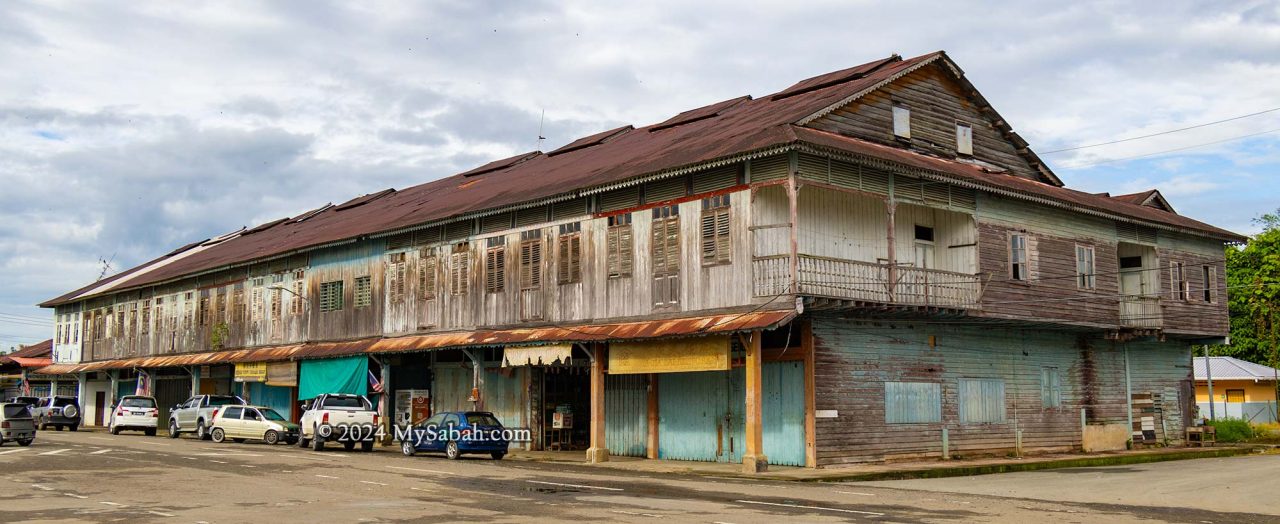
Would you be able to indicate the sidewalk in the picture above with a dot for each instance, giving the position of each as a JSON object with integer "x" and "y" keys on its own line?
{"x": 895, "y": 470}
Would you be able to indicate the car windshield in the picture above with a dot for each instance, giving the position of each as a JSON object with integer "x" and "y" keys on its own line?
{"x": 224, "y": 401}
{"x": 63, "y": 401}
{"x": 16, "y": 411}
{"x": 345, "y": 402}
{"x": 270, "y": 414}
{"x": 482, "y": 419}
{"x": 138, "y": 402}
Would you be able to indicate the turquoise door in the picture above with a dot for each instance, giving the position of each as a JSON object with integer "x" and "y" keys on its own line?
{"x": 783, "y": 412}
{"x": 626, "y": 407}
{"x": 700, "y": 416}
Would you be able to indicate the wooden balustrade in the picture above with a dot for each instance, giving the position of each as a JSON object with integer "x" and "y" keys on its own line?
{"x": 868, "y": 282}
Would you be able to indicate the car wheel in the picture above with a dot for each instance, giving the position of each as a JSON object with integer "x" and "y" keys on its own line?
{"x": 407, "y": 448}
{"x": 24, "y": 442}
{"x": 317, "y": 443}
{"x": 201, "y": 433}
{"x": 58, "y": 427}
{"x": 497, "y": 455}
{"x": 271, "y": 437}
{"x": 349, "y": 445}
{"x": 451, "y": 451}
{"x": 366, "y": 446}
{"x": 219, "y": 435}
{"x": 113, "y": 429}
{"x": 42, "y": 425}
{"x": 151, "y": 432}
{"x": 302, "y": 442}
{"x": 173, "y": 429}
{"x": 73, "y": 427}
{"x": 291, "y": 442}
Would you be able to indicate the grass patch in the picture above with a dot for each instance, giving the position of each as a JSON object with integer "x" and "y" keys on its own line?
{"x": 1233, "y": 430}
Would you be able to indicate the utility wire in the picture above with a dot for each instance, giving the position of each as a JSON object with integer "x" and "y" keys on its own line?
{"x": 1197, "y": 126}
{"x": 1091, "y": 164}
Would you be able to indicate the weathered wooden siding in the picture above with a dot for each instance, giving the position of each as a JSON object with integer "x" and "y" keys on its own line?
{"x": 1051, "y": 293}
{"x": 854, "y": 360}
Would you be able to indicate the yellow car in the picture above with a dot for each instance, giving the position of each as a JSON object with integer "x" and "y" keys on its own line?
{"x": 241, "y": 423}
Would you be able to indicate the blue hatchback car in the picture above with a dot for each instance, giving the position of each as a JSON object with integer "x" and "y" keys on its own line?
{"x": 458, "y": 433}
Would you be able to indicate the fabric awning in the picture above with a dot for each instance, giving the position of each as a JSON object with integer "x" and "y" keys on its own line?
{"x": 349, "y": 375}
{"x": 536, "y": 355}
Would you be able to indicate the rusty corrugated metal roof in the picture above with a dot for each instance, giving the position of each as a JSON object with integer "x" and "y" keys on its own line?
{"x": 677, "y": 327}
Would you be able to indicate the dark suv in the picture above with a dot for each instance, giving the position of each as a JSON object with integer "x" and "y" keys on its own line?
{"x": 58, "y": 412}
{"x": 29, "y": 401}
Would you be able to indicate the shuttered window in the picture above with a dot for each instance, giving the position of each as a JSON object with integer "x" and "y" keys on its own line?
{"x": 1086, "y": 269}
{"x": 220, "y": 308}
{"x": 1018, "y": 257}
{"x": 298, "y": 301}
{"x": 530, "y": 260}
{"x": 1178, "y": 281}
{"x": 238, "y": 309}
{"x": 427, "y": 267}
{"x": 981, "y": 400}
{"x": 397, "y": 273}
{"x": 912, "y": 402}
{"x": 364, "y": 292}
{"x": 716, "y": 242}
{"x": 275, "y": 303}
{"x": 495, "y": 270}
{"x": 569, "y": 256}
{"x": 665, "y": 253}
{"x": 1051, "y": 387}
{"x": 330, "y": 296}
{"x": 459, "y": 270}
{"x": 620, "y": 246}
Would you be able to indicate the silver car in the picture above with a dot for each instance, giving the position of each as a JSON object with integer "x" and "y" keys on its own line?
{"x": 16, "y": 424}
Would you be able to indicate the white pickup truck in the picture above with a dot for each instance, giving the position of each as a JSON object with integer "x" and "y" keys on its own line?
{"x": 338, "y": 418}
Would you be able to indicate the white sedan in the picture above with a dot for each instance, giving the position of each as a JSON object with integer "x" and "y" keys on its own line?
{"x": 134, "y": 412}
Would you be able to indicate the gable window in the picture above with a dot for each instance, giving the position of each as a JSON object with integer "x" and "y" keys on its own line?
{"x": 901, "y": 121}
{"x": 964, "y": 139}
{"x": 495, "y": 266}
{"x": 530, "y": 260}
{"x": 620, "y": 246}
{"x": 1210, "y": 283}
{"x": 1178, "y": 281}
{"x": 716, "y": 242}
{"x": 330, "y": 296}
{"x": 459, "y": 269}
{"x": 1086, "y": 270}
{"x": 569, "y": 258}
{"x": 912, "y": 402}
{"x": 981, "y": 400}
{"x": 1050, "y": 387}
{"x": 364, "y": 292}
{"x": 1018, "y": 257}
{"x": 665, "y": 253}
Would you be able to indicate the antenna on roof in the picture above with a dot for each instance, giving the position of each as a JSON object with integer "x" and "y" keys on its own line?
{"x": 106, "y": 266}
{"x": 541, "y": 121}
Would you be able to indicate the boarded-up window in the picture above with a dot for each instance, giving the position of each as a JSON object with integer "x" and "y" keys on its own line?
{"x": 1086, "y": 269}
{"x": 1178, "y": 281}
{"x": 912, "y": 402}
{"x": 1210, "y": 283}
{"x": 530, "y": 260}
{"x": 569, "y": 255}
{"x": 364, "y": 292}
{"x": 901, "y": 121}
{"x": 716, "y": 242}
{"x": 981, "y": 400}
{"x": 620, "y": 246}
{"x": 459, "y": 269}
{"x": 495, "y": 270}
{"x": 427, "y": 267}
{"x": 964, "y": 139}
{"x": 665, "y": 254}
{"x": 1051, "y": 387}
{"x": 1018, "y": 257}
{"x": 330, "y": 296}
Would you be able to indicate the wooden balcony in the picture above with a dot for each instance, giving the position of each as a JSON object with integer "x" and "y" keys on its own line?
{"x": 868, "y": 282}
{"x": 1141, "y": 312}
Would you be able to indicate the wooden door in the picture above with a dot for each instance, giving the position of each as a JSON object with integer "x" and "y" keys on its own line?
{"x": 99, "y": 407}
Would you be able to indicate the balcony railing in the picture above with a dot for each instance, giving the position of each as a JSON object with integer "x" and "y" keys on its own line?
{"x": 1141, "y": 312}
{"x": 868, "y": 282}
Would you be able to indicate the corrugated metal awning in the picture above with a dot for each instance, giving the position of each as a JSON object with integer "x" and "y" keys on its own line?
{"x": 644, "y": 329}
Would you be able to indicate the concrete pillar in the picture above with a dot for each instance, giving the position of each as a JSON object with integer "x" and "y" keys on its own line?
{"x": 651, "y": 443}
{"x": 111, "y": 394}
{"x": 753, "y": 458}
{"x": 598, "y": 452}
{"x": 82, "y": 381}
{"x": 387, "y": 397}
{"x": 195, "y": 380}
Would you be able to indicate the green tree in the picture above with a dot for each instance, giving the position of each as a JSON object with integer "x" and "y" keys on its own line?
{"x": 1253, "y": 281}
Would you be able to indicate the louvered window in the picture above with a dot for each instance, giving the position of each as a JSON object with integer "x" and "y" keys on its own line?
{"x": 427, "y": 276}
{"x": 397, "y": 270}
{"x": 530, "y": 260}
{"x": 330, "y": 296}
{"x": 716, "y": 243}
{"x": 459, "y": 269}
{"x": 275, "y": 302}
{"x": 666, "y": 255}
{"x": 569, "y": 258}
{"x": 220, "y": 307}
{"x": 298, "y": 301}
{"x": 364, "y": 292}
{"x": 238, "y": 306}
{"x": 620, "y": 246}
{"x": 255, "y": 308}
{"x": 495, "y": 270}
{"x": 146, "y": 318}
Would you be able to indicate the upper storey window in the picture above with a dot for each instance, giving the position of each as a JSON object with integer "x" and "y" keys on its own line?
{"x": 901, "y": 121}
{"x": 964, "y": 139}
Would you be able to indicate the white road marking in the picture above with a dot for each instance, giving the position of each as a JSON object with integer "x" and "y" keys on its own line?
{"x": 43, "y": 487}
{"x": 248, "y": 466}
{"x": 156, "y": 444}
{"x": 326, "y": 477}
{"x": 856, "y": 493}
{"x": 227, "y": 455}
{"x": 99, "y": 452}
{"x": 101, "y": 438}
{"x": 424, "y": 470}
{"x": 574, "y": 485}
{"x": 116, "y": 504}
{"x": 6, "y": 452}
{"x": 800, "y": 506}
{"x": 372, "y": 482}
{"x": 217, "y": 462}
{"x": 76, "y": 496}
{"x": 56, "y": 451}
{"x": 161, "y": 514}
{"x": 189, "y": 458}
{"x": 636, "y": 514}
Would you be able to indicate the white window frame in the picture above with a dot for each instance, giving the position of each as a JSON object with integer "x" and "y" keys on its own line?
{"x": 964, "y": 139}
{"x": 1018, "y": 266}
{"x": 901, "y": 121}
{"x": 1086, "y": 267}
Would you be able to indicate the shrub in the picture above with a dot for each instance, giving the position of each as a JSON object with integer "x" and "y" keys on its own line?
{"x": 1233, "y": 429}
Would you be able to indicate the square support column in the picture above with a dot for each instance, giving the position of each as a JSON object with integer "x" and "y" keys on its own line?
{"x": 753, "y": 458}
{"x": 384, "y": 410}
{"x": 651, "y": 442}
{"x": 598, "y": 452}
{"x": 810, "y": 396}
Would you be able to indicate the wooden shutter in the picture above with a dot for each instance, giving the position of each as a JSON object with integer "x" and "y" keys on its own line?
{"x": 531, "y": 264}
{"x": 569, "y": 263}
{"x": 620, "y": 258}
{"x": 427, "y": 276}
{"x": 458, "y": 272}
{"x": 495, "y": 274}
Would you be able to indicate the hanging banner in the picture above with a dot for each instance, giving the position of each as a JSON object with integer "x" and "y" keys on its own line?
{"x": 536, "y": 355}
{"x": 251, "y": 372}
{"x": 670, "y": 356}
{"x": 334, "y": 375}
{"x": 283, "y": 374}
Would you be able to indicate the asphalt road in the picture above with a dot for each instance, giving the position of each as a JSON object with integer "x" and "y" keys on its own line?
{"x": 99, "y": 477}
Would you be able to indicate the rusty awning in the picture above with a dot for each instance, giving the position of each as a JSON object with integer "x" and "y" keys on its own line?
{"x": 638, "y": 330}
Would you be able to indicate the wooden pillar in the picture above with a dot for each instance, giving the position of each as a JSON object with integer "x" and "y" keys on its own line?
{"x": 384, "y": 410}
{"x": 598, "y": 452}
{"x": 195, "y": 380}
{"x": 651, "y": 443}
{"x": 891, "y": 208}
{"x": 810, "y": 396}
{"x": 753, "y": 459}
{"x": 793, "y": 204}
{"x": 111, "y": 395}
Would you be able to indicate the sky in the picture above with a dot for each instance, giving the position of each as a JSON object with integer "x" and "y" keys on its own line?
{"x": 130, "y": 128}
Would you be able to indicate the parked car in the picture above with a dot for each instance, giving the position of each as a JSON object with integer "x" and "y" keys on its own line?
{"x": 344, "y": 418}
{"x": 16, "y": 424}
{"x": 59, "y": 412}
{"x": 29, "y": 401}
{"x": 194, "y": 415}
{"x": 240, "y": 423}
{"x": 458, "y": 433}
{"x": 134, "y": 412}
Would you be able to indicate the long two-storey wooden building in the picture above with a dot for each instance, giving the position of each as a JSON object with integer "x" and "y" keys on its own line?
{"x": 867, "y": 265}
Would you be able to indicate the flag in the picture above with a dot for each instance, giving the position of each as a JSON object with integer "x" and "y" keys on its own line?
{"x": 143, "y": 388}
{"x": 375, "y": 385}
{"x": 26, "y": 386}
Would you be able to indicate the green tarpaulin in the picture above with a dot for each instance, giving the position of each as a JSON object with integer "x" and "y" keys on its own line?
{"x": 338, "y": 375}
